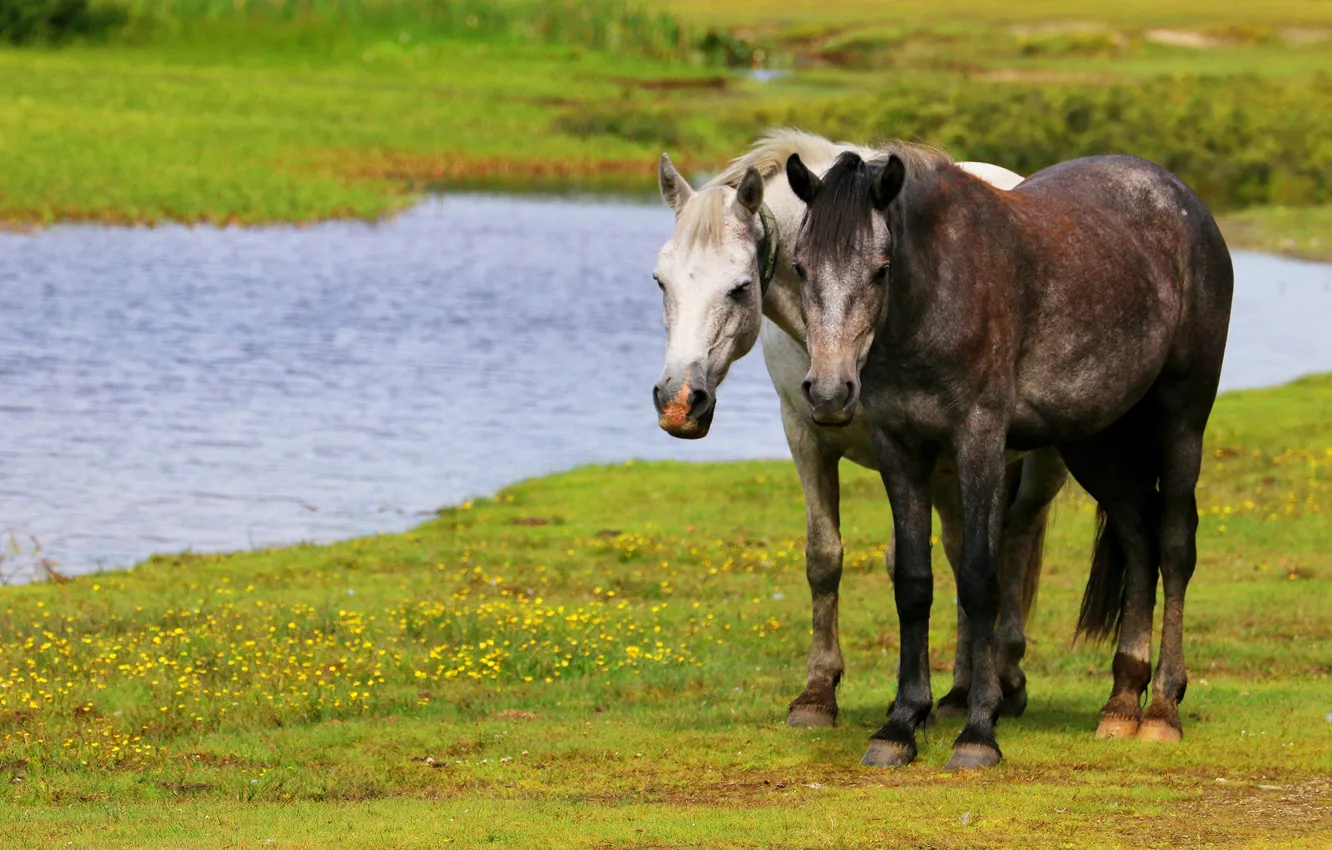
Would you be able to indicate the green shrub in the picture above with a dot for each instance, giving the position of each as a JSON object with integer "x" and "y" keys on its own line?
{"x": 51, "y": 21}
{"x": 1238, "y": 141}
{"x": 630, "y": 122}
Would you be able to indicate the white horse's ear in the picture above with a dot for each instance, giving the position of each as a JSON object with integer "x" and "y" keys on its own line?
{"x": 675, "y": 190}
{"x": 804, "y": 183}
{"x": 749, "y": 194}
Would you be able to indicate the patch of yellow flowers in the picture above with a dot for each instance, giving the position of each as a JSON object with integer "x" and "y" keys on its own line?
{"x": 90, "y": 681}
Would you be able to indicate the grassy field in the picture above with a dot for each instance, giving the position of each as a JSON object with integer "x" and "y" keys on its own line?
{"x": 241, "y": 117}
{"x": 604, "y": 657}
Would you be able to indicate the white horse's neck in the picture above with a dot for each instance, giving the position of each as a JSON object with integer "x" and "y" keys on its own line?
{"x": 782, "y": 303}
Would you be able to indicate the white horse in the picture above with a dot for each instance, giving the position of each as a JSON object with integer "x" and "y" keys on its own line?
{"x": 726, "y": 269}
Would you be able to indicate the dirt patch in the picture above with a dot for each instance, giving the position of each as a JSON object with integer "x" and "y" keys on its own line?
{"x": 1278, "y": 811}
{"x": 449, "y": 166}
{"x": 215, "y": 760}
{"x": 531, "y": 520}
{"x": 1042, "y": 76}
{"x": 429, "y": 761}
{"x": 1305, "y": 35}
{"x": 513, "y": 714}
{"x": 677, "y": 83}
{"x": 1184, "y": 38}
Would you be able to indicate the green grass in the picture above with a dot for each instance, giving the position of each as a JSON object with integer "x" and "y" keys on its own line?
{"x": 280, "y": 112}
{"x": 1304, "y": 232}
{"x": 603, "y": 658}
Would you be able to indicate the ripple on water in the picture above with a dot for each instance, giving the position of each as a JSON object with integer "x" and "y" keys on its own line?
{"x": 172, "y": 388}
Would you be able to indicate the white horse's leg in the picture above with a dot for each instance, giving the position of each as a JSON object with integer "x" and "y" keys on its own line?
{"x": 817, "y": 466}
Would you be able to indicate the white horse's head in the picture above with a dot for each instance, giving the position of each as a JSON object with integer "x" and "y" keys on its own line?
{"x": 710, "y": 273}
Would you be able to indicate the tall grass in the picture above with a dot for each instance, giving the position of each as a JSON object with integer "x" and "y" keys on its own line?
{"x": 1238, "y": 141}
{"x": 613, "y": 26}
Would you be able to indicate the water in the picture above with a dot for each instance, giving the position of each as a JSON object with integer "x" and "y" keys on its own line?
{"x": 173, "y": 388}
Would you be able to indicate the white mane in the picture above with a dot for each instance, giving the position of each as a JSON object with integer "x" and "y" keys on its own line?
{"x": 774, "y": 147}
{"x": 702, "y": 221}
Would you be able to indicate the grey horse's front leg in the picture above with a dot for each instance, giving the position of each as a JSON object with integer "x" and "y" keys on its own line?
{"x": 817, "y": 703}
{"x": 1034, "y": 482}
{"x": 908, "y": 487}
{"x": 979, "y": 449}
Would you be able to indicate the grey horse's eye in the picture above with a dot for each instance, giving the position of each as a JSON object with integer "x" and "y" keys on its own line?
{"x": 740, "y": 290}
{"x": 799, "y": 269}
{"x": 881, "y": 274}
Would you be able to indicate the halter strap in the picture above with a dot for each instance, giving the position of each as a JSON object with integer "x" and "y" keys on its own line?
{"x": 767, "y": 250}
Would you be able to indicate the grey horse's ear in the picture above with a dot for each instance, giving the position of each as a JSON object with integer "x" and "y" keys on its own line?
{"x": 675, "y": 190}
{"x": 889, "y": 183}
{"x": 749, "y": 194}
{"x": 804, "y": 183}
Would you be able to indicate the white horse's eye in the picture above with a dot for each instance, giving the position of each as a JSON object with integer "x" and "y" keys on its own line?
{"x": 740, "y": 289}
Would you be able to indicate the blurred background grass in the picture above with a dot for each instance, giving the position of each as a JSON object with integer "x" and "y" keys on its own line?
{"x": 253, "y": 111}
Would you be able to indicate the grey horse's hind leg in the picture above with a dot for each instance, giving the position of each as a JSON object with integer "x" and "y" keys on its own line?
{"x": 1042, "y": 476}
{"x": 817, "y": 704}
{"x": 948, "y": 504}
{"x": 1182, "y": 459}
{"x": 1118, "y": 469}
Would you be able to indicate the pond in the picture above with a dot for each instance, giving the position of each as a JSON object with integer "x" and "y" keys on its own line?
{"x": 183, "y": 388}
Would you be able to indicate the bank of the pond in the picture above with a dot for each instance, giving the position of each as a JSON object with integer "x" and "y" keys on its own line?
{"x": 173, "y": 389}
{"x": 236, "y": 118}
{"x": 604, "y": 656}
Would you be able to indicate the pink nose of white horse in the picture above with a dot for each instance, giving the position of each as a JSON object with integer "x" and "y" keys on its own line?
{"x": 683, "y": 411}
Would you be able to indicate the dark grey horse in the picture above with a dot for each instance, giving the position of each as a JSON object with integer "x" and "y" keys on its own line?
{"x": 1086, "y": 309}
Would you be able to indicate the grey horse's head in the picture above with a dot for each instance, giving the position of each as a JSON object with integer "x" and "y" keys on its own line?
{"x": 843, "y": 256}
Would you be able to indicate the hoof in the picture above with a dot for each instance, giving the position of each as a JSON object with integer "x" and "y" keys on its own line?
{"x": 948, "y": 709}
{"x": 972, "y": 757}
{"x": 1159, "y": 731}
{"x": 953, "y": 703}
{"x": 1116, "y": 726}
{"x": 883, "y": 753}
{"x": 811, "y": 717}
{"x": 1012, "y": 705}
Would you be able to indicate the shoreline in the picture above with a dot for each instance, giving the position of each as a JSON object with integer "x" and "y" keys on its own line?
{"x": 1259, "y": 229}
{"x": 58, "y": 576}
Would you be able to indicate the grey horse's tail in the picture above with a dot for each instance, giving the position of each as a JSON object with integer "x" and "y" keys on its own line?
{"x": 1103, "y": 600}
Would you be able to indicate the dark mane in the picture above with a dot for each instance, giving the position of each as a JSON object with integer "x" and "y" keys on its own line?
{"x": 840, "y": 219}
{"x": 838, "y": 222}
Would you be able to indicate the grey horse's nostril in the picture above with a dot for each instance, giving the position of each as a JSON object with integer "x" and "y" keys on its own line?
{"x": 657, "y": 399}
{"x": 806, "y": 388}
{"x": 850, "y": 390}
